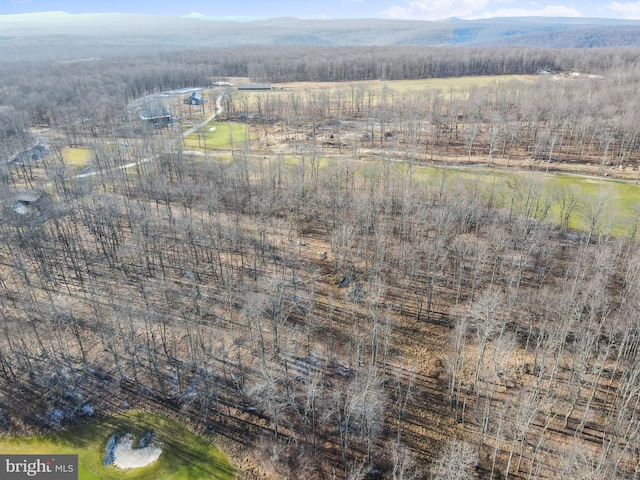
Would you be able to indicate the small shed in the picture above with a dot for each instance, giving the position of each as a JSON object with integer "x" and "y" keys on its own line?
{"x": 195, "y": 99}
{"x": 26, "y": 205}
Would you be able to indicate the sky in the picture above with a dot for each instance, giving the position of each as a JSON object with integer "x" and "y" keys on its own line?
{"x": 329, "y": 9}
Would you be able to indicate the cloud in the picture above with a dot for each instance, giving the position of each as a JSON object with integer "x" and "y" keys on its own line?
{"x": 629, "y": 10}
{"x": 434, "y": 10}
{"x": 193, "y": 15}
{"x": 548, "y": 11}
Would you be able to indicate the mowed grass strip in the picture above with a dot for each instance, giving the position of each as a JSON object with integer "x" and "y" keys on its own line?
{"x": 616, "y": 203}
{"x": 185, "y": 456}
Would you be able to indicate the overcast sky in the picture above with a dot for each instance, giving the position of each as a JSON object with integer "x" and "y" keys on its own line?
{"x": 401, "y": 9}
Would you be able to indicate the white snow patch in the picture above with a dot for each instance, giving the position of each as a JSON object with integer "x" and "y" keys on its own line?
{"x": 127, "y": 457}
{"x": 20, "y": 208}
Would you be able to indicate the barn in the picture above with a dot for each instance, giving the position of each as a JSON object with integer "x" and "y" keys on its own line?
{"x": 157, "y": 117}
{"x": 26, "y": 206}
{"x": 195, "y": 99}
{"x": 255, "y": 86}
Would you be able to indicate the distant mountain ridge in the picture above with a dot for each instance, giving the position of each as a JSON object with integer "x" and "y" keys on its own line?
{"x": 59, "y": 29}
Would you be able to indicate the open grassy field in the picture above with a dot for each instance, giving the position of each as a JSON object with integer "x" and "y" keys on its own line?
{"x": 454, "y": 87}
{"x": 185, "y": 456}
{"x": 217, "y": 135}
{"x": 443, "y": 84}
{"x": 77, "y": 157}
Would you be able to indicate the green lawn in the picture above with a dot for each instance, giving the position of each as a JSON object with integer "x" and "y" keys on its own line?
{"x": 185, "y": 456}
{"x": 217, "y": 135}
{"x": 77, "y": 157}
{"x": 618, "y": 199}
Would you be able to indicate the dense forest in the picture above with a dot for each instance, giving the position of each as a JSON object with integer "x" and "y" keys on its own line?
{"x": 309, "y": 294}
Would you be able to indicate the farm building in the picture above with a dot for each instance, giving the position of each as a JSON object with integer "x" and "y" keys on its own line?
{"x": 195, "y": 99}
{"x": 157, "y": 117}
{"x": 255, "y": 86}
